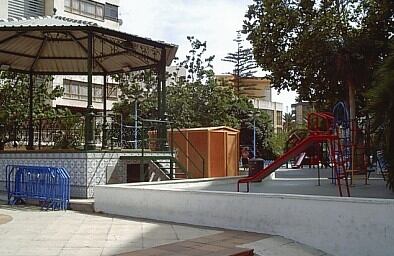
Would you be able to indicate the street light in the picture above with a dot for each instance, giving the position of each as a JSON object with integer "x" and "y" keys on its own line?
{"x": 253, "y": 115}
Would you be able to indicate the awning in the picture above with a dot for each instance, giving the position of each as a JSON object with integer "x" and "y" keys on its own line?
{"x": 55, "y": 45}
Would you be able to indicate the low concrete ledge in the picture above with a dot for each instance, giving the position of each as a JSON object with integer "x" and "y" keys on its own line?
{"x": 339, "y": 226}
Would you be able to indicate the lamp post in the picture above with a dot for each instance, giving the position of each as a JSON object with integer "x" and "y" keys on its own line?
{"x": 253, "y": 115}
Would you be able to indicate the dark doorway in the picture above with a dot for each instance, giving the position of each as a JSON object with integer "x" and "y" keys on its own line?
{"x": 134, "y": 173}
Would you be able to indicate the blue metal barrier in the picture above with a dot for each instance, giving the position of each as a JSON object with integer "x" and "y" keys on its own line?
{"x": 49, "y": 185}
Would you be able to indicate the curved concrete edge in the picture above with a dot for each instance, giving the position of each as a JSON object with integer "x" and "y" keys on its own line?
{"x": 197, "y": 186}
{"x": 339, "y": 226}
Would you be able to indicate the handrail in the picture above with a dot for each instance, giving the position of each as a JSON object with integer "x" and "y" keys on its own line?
{"x": 191, "y": 161}
{"x": 198, "y": 153}
{"x": 142, "y": 124}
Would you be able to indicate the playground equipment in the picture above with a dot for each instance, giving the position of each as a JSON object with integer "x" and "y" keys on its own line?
{"x": 382, "y": 163}
{"x": 311, "y": 156}
{"x": 348, "y": 144}
{"x": 322, "y": 129}
{"x": 48, "y": 185}
{"x": 355, "y": 137}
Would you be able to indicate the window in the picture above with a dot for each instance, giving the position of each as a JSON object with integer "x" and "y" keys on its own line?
{"x": 98, "y": 93}
{"x": 279, "y": 117}
{"x": 83, "y": 92}
{"x": 67, "y": 5}
{"x": 25, "y": 8}
{"x": 86, "y": 8}
{"x": 270, "y": 114}
{"x": 111, "y": 12}
{"x": 79, "y": 90}
{"x": 99, "y": 11}
{"x": 112, "y": 91}
{"x": 75, "y": 5}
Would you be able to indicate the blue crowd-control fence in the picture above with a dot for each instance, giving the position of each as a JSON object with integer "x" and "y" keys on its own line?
{"x": 49, "y": 185}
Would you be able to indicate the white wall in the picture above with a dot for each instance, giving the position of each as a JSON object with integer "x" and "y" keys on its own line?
{"x": 59, "y": 5}
{"x": 3, "y": 9}
{"x": 339, "y": 226}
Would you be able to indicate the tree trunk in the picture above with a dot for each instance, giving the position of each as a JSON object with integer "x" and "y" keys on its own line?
{"x": 352, "y": 115}
{"x": 352, "y": 99}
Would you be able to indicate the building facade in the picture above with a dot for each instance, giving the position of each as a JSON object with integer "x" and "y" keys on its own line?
{"x": 259, "y": 91}
{"x": 102, "y": 12}
{"x": 300, "y": 111}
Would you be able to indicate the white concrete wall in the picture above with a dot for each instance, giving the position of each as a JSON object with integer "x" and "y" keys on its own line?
{"x": 3, "y": 9}
{"x": 339, "y": 226}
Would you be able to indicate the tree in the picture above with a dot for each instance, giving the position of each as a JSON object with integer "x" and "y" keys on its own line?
{"x": 201, "y": 102}
{"x": 140, "y": 86}
{"x": 14, "y": 103}
{"x": 321, "y": 49}
{"x": 288, "y": 122}
{"x": 278, "y": 143}
{"x": 244, "y": 64}
{"x": 197, "y": 65}
{"x": 264, "y": 132}
{"x": 197, "y": 100}
{"x": 381, "y": 107}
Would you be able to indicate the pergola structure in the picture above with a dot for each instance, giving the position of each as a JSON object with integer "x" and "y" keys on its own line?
{"x": 55, "y": 45}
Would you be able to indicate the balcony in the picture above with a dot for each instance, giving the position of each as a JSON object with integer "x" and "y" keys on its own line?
{"x": 268, "y": 105}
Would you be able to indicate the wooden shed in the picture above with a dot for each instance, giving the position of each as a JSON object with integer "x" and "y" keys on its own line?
{"x": 218, "y": 146}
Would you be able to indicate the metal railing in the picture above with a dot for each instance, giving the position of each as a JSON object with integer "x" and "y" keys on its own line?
{"x": 149, "y": 135}
{"x": 156, "y": 136}
{"x": 48, "y": 132}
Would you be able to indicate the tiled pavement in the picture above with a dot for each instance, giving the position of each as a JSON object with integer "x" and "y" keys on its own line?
{"x": 30, "y": 231}
{"x": 220, "y": 244}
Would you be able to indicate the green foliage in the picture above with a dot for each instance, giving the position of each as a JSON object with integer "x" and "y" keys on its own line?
{"x": 244, "y": 64}
{"x": 194, "y": 101}
{"x": 197, "y": 65}
{"x": 14, "y": 101}
{"x": 242, "y": 58}
{"x": 318, "y": 47}
{"x": 140, "y": 86}
{"x": 70, "y": 130}
{"x": 381, "y": 107}
{"x": 288, "y": 122}
{"x": 264, "y": 132}
{"x": 278, "y": 143}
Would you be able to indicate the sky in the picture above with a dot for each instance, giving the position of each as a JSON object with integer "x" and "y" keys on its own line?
{"x": 214, "y": 21}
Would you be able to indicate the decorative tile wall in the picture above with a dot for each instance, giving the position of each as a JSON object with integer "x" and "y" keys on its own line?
{"x": 86, "y": 169}
{"x": 74, "y": 163}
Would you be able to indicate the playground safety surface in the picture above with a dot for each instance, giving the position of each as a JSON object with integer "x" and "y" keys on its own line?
{"x": 304, "y": 181}
{"x": 35, "y": 232}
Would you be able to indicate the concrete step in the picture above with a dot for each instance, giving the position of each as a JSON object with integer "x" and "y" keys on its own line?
{"x": 82, "y": 205}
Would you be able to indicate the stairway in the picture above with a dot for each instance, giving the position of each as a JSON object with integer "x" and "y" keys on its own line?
{"x": 164, "y": 164}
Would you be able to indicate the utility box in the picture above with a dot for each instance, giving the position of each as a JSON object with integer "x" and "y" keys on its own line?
{"x": 255, "y": 165}
{"x": 218, "y": 146}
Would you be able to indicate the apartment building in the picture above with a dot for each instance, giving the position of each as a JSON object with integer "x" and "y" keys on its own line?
{"x": 259, "y": 91}
{"x": 102, "y": 12}
{"x": 300, "y": 111}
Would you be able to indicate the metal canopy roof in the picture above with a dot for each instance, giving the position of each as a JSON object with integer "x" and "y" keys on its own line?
{"x": 59, "y": 45}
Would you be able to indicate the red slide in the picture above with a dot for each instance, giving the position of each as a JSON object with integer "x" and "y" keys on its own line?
{"x": 291, "y": 153}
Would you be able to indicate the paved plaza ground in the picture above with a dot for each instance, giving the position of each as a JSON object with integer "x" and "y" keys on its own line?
{"x": 26, "y": 230}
